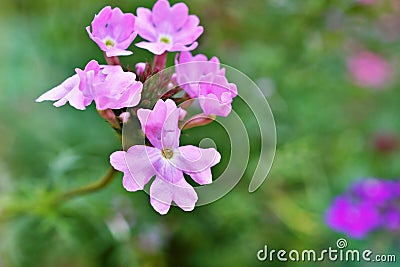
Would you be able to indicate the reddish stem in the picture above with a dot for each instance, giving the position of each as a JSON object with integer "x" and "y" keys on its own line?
{"x": 160, "y": 61}
{"x": 112, "y": 60}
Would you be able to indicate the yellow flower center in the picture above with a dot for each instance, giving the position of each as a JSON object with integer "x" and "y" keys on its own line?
{"x": 165, "y": 40}
{"x": 109, "y": 43}
{"x": 167, "y": 153}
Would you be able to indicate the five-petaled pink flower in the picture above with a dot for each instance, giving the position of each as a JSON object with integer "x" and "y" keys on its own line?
{"x": 206, "y": 81}
{"x": 167, "y": 28}
{"x": 109, "y": 86}
{"x": 369, "y": 70}
{"x": 113, "y": 31}
{"x": 166, "y": 160}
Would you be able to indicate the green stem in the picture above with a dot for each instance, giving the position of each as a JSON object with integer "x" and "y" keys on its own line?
{"x": 90, "y": 188}
{"x": 43, "y": 206}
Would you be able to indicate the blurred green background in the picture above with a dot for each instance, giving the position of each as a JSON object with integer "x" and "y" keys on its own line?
{"x": 326, "y": 126}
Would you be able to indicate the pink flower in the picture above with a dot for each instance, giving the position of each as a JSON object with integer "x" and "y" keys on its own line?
{"x": 206, "y": 81}
{"x": 109, "y": 86}
{"x": 354, "y": 219}
{"x": 167, "y": 28}
{"x": 369, "y": 70}
{"x": 113, "y": 31}
{"x": 166, "y": 160}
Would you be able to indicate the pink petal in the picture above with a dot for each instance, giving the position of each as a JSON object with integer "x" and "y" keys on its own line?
{"x": 144, "y": 24}
{"x": 161, "y": 12}
{"x": 190, "y": 31}
{"x": 202, "y": 178}
{"x": 211, "y": 105}
{"x": 180, "y": 47}
{"x": 171, "y": 131}
{"x": 152, "y": 122}
{"x": 99, "y": 22}
{"x": 179, "y": 15}
{"x": 161, "y": 124}
{"x": 163, "y": 193}
{"x": 61, "y": 90}
{"x": 115, "y": 52}
{"x": 136, "y": 164}
{"x": 193, "y": 159}
{"x": 164, "y": 169}
{"x": 75, "y": 99}
{"x": 156, "y": 48}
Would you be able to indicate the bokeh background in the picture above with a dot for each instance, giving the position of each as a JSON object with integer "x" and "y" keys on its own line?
{"x": 334, "y": 126}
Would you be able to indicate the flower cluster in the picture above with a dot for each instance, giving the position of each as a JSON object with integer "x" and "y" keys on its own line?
{"x": 368, "y": 205}
{"x": 113, "y": 88}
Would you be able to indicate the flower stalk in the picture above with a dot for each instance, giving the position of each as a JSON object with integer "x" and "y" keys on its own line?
{"x": 160, "y": 61}
{"x": 90, "y": 188}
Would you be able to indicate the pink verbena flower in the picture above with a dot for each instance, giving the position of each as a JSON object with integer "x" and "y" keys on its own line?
{"x": 167, "y": 28}
{"x": 113, "y": 31}
{"x": 356, "y": 219}
{"x": 109, "y": 86}
{"x": 167, "y": 161}
{"x": 206, "y": 81}
{"x": 369, "y": 70}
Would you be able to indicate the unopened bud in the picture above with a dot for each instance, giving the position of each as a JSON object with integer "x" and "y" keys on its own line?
{"x": 140, "y": 67}
{"x": 124, "y": 116}
{"x": 109, "y": 116}
{"x": 198, "y": 120}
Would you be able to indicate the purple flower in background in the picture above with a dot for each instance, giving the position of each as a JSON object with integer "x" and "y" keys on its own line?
{"x": 166, "y": 160}
{"x": 369, "y": 70}
{"x": 392, "y": 218}
{"x": 109, "y": 86}
{"x": 368, "y": 205}
{"x": 354, "y": 219}
{"x": 373, "y": 190}
{"x": 167, "y": 28}
{"x": 113, "y": 31}
{"x": 206, "y": 81}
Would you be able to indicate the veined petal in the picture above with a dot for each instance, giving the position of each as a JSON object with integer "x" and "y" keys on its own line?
{"x": 211, "y": 105}
{"x": 136, "y": 164}
{"x": 203, "y": 177}
{"x": 192, "y": 159}
{"x": 179, "y": 15}
{"x": 161, "y": 12}
{"x": 181, "y": 47}
{"x": 61, "y": 90}
{"x": 161, "y": 124}
{"x": 162, "y": 194}
{"x": 156, "y": 48}
{"x": 144, "y": 24}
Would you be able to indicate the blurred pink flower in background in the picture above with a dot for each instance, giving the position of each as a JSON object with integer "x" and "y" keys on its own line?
{"x": 369, "y": 70}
